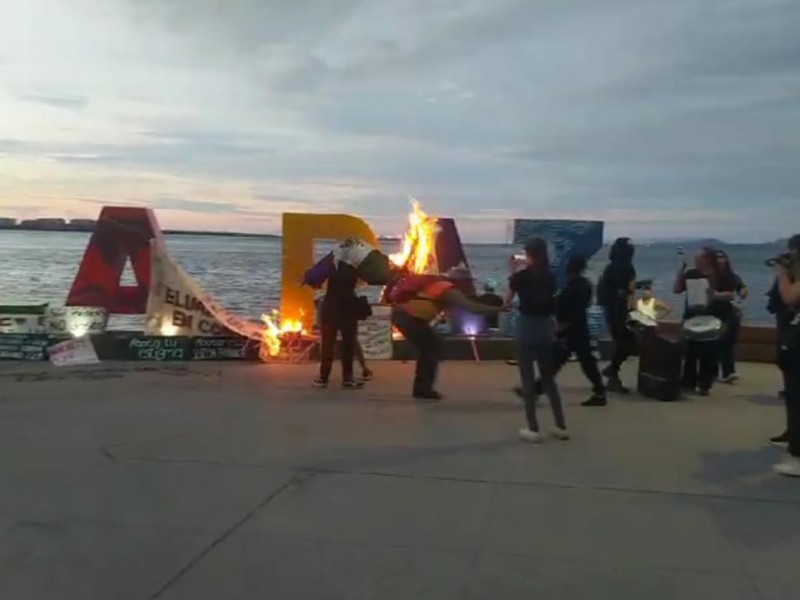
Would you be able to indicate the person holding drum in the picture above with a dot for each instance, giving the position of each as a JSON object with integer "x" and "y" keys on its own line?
{"x": 731, "y": 317}
{"x": 702, "y": 325}
{"x": 615, "y": 293}
{"x": 787, "y": 270}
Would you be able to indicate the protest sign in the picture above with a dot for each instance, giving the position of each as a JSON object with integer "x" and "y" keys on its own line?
{"x": 77, "y": 321}
{"x": 79, "y": 351}
{"x": 23, "y": 319}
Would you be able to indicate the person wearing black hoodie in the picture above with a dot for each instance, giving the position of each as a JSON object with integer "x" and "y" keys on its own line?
{"x": 615, "y": 293}
{"x": 572, "y": 302}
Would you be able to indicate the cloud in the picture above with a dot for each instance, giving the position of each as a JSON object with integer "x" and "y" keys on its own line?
{"x": 655, "y": 116}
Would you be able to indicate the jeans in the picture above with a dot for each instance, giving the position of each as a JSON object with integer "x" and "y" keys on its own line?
{"x": 420, "y": 333}
{"x": 582, "y": 347}
{"x": 727, "y": 346}
{"x": 331, "y": 325}
{"x": 789, "y": 362}
{"x": 624, "y": 339}
{"x": 535, "y": 338}
{"x": 700, "y": 364}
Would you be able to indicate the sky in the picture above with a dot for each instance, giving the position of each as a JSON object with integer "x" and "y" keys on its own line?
{"x": 663, "y": 119}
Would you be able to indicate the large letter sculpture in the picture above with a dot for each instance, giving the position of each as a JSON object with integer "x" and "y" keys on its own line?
{"x": 300, "y": 231}
{"x": 565, "y": 238}
{"x": 121, "y": 233}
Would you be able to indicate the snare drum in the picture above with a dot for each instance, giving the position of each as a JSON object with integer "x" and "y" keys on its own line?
{"x": 703, "y": 328}
{"x": 638, "y": 321}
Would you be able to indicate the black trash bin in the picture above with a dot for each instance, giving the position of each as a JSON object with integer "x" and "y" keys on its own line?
{"x": 660, "y": 365}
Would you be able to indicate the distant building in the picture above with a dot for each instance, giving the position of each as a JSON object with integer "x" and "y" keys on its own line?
{"x": 6, "y": 223}
{"x": 82, "y": 224}
{"x": 45, "y": 224}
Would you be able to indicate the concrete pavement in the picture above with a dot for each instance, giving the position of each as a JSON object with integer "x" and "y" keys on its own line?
{"x": 238, "y": 481}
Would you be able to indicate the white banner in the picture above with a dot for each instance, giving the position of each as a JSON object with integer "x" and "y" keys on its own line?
{"x": 73, "y": 352}
{"x": 177, "y": 306}
{"x": 23, "y": 319}
{"x": 375, "y": 334}
{"x": 77, "y": 321}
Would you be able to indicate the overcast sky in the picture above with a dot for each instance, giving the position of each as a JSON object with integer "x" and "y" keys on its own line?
{"x": 664, "y": 117}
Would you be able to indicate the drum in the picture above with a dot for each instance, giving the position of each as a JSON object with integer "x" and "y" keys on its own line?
{"x": 638, "y": 321}
{"x": 704, "y": 328}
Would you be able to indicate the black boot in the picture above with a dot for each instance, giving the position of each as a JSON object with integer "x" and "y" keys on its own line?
{"x": 596, "y": 400}
{"x": 615, "y": 386}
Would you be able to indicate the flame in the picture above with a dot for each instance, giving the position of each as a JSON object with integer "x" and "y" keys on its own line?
{"x": 418, "y": 251}
{"x": 276, "y": 329}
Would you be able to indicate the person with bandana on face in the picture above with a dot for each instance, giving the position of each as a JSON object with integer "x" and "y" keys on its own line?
{"x": 615, "y": 292}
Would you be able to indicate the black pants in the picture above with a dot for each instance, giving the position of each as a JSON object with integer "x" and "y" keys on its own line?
{"x": 789, "y": 362}
{"x": 331, "y": 325}
{"x": 624, "y": 339}
{"x": 420, "y": 333}
{"x": 700, "y": 364}
{"x": 727, "y": 346}
{"x": 581, "y": 346}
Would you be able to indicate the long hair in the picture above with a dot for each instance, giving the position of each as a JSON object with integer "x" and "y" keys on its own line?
{"x": 576, "y": 265}
{"x": 536, "y": 251}
{"x": 721, "y": 255}
{"x": 709, "y": 255}
{"x": 622, "y": 251}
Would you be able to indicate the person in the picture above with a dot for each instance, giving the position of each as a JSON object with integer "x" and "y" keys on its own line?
{"x": 731, "y": 317}
{"x": 572, "y": 304}
{"x": 339, "y": 316}
{"x": 535, "y": 288}
{"x": 492, "y": 298}
{"x": 787, "y": 273}
{"x": 416, "y": 301}
{"x": 650, "y": 306}
{"x": 701, "y": 359}
{"x": 783, "y": 318}
{"x": 615, "y": 292}
{"x": 366, "y": 372}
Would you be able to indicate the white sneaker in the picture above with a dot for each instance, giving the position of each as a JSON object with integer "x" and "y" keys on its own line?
{"x": 560, "y": 434}
{"x": 730, "y": 378}
{"x": 532, "y": 437}
{"x": 790, "y": 467}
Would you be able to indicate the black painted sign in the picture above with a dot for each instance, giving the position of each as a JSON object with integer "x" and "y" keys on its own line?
{"x": 24, "y": 346}
{"x": 222, "y": 348}
{"x": 160, "y": 349}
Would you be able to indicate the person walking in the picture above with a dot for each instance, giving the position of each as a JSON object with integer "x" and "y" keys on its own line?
{"x": 615, "y": 292}
{"x": 535, "y": 288}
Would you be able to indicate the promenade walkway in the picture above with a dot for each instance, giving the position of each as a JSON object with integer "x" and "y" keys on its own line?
{"x": 239, "y": 481}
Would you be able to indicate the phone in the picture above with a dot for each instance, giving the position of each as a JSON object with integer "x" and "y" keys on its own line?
{"x": 682, "y": 256}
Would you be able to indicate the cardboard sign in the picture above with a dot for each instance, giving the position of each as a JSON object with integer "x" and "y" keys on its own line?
{"x": 160, "y": 349}
{"x": 23, "y": 319}
{"x": 77, "y": 321}
{"x": 221, "y": 348}
{"x": 375, "y": 334}
{"x": 79, "y": 351}
{"x": 177, "y": 306}
{"x": 24, "y": 347}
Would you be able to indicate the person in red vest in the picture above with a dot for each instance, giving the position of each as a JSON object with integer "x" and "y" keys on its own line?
{"x": 417, "y": 300}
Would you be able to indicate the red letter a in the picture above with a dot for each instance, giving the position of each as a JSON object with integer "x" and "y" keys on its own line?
{"x": 121, "y": 232}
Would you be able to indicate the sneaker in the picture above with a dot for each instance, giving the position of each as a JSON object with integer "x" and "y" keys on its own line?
{"x": 366, "y": 375}
{"x": 729, "y": 378}
{"x": 432, "y": 396}
{"x": 319, "y": 382}
{"x": 352, "y": 385}
{"x": 790, "y": 467}
{"x": 532, "y": 437}
{"x": 703, "y": 392}
{"x": 781, "y": 441}
{"x": 560, "y": 434}
{"x": 595, "y": 400}
{"x": 615, "y": 386}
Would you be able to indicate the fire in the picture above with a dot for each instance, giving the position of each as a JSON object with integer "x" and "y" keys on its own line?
{"x": 419, "y": 243}
{"x": 276, "y": 329}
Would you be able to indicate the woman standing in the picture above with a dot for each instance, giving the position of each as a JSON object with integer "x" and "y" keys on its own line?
{"x": 535, "y": 287}
{"x": 339, "y": 316}
{"x": 702, "y": 357}
{"x": 731, "y": 317}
